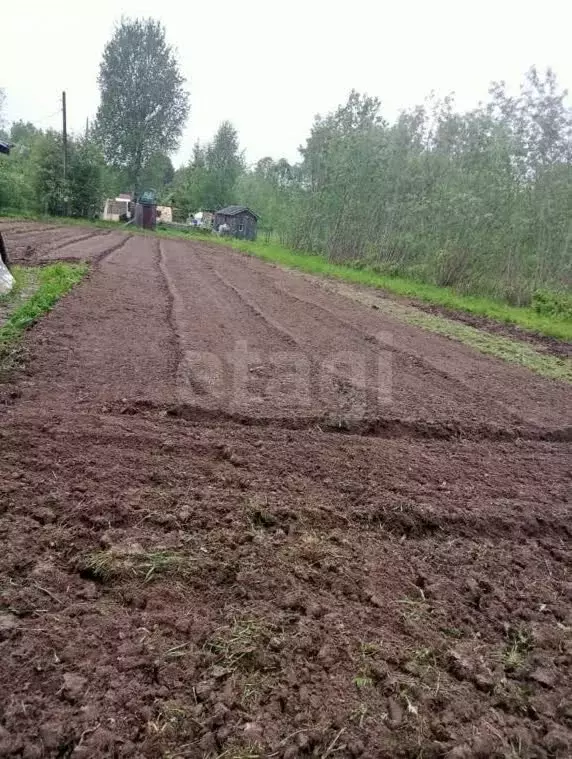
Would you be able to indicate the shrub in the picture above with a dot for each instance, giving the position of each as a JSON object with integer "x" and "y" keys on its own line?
{"x": 553, "y": 304}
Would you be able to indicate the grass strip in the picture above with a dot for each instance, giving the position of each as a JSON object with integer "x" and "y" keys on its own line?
{"x": 53, "y": 282}
{"x": 513, "y": 351}
{"x": 510, "y": 350}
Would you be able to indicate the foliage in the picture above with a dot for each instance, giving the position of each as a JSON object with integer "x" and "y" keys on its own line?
{"x": 189, "y": 184}
{"x": 144, "y": 105}
{"x": 16, "y": 189}
{"x": 480, "y": 201}
{"x": 31, "y": 177}
{"x": 558, "y": 305}
{"x": 85, "y": 180}
{"x": 270, "y": 189}
{"x": 47, "y": 174}
{"x": 223, "y": 165}
{"x": 209, "y": 181}
{"x": 158, "y": 174}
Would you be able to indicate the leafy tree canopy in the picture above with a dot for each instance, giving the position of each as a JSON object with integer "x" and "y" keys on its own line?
{"x": 144, "y": 105}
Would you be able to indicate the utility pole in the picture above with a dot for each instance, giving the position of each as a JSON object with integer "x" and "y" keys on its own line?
{"x": 65, "y": 141}
{"x": 65, "y": 134}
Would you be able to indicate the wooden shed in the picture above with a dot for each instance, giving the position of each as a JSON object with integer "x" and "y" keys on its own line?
{"x": 240, "y": 220}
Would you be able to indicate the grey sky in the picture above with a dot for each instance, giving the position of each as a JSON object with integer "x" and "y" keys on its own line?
{"x": 269, "y": 67}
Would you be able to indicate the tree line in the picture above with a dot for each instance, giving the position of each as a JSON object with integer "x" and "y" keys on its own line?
{"x": 480, "y": 200}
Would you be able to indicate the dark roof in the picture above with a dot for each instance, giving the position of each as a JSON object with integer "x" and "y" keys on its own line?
{"x": 5, "y": 147}
{"x": 234, "y": 210}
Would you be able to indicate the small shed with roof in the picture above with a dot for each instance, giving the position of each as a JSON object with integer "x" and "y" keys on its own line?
{"x": 240, "y": 220}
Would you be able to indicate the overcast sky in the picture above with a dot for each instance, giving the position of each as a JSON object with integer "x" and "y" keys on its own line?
{"x": 269, "y": 67}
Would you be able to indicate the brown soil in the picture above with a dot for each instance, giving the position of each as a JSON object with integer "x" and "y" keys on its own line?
{"x": 29, "y": 245}
{"x": 207, "y": 555}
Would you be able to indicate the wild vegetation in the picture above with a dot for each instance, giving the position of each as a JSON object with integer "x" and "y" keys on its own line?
{"x": 479, "y": 201}
{"x": 36, "y": 292}
{"x": 139, "y": 121}
{"x": 144, "y": 105}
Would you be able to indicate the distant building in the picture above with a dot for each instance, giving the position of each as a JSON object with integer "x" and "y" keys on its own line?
{"x": 203, "y": 219}
{"x": 117, "y": 208}
{"x": 165, "y": 214}
{"x": 240, "y": 220}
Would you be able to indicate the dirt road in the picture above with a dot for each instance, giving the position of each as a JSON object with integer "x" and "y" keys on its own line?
{"x": 244, "y": 516}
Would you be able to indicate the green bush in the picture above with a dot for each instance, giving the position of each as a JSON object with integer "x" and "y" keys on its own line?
{"x": 553, "y": 304}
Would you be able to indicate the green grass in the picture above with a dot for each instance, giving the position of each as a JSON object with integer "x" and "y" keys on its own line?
{"x": 513, "y": 351}
{"x": 527, "y": 318}
{"x": 50, "y": 283}
{"x": 24, "y": 279}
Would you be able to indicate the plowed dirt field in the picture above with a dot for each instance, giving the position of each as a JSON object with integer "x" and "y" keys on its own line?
{"x": 243, "y": 516}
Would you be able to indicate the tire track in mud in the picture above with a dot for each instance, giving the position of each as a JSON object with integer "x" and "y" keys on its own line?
{"x": 108, "y": 339}
{"x": 201, "y": 324}
{"x": 323, "y": 533}
{"x": 94, "y": 257}
{"x": 475, "y": 509}
{"x": 346, "y": 381}
{"x": 174, "y": 303}
{"x": 17, "y": 231}
{"x": 386, "y": 344}
{"x": 371, "y": 348}
{"x": 258, "y": 312}
{"x": 74, "y": 240}
{"x": 46, "y": 247}
{"x": 451, "y": 398}
{"x": 279, "y": 348}
{"x": 269, "y": 282}
{"x": 99, "y": 257}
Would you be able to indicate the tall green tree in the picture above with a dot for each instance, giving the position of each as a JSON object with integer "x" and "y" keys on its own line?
{"x": 270, "y": 189}
{"x": 82, "y": 192}
{"x": 144, "y": 104}
{"x": 224, "y": 164}
{"x": 85, "y": 186}
{"x": 210, "y": 178}
{"x": 190, "y": 184}
{"x": 158, "y": 174}
{"x": 47, "y": 173}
